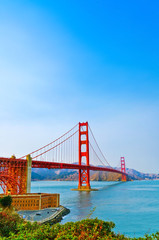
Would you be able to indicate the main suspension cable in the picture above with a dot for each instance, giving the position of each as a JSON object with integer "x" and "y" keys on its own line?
{"x": 51, "y": 142}
{"x": 99, "y": 147}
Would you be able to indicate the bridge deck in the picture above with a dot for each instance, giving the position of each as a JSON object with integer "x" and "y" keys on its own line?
{"x": 51, "y": 165}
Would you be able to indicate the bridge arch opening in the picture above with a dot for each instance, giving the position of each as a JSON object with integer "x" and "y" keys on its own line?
{"x": 9, "y": 185}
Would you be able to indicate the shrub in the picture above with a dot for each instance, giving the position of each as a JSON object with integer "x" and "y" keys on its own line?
{"x": 14, "y": 228}
{"x": 6, "y": 201}
{"x": 8, "y": 223}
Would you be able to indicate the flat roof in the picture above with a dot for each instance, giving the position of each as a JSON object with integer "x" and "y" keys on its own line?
{"x": 30, "y": 194}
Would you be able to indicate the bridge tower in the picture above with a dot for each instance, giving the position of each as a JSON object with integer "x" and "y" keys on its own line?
{"x": 123, "y": 169}
{"x": 84, "y": 178}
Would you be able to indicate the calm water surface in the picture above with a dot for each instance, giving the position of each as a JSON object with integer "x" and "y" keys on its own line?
{"x": 132, "y": 206}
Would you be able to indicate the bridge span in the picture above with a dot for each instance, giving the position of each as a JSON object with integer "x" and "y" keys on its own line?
{"x": 73, "y": 150}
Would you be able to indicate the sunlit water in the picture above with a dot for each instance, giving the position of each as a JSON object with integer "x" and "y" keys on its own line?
{"x": 132, "y": 206}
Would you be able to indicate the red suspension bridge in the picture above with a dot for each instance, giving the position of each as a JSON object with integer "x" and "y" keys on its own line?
{"x": 76, "y": 149}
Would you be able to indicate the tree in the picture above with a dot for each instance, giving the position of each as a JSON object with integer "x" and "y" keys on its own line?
{"x": 6, "y": 201}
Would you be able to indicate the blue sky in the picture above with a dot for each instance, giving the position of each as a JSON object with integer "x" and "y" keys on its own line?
{"x": 62, "y": 62}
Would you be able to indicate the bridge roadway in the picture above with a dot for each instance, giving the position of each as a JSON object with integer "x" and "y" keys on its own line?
{"x": 52, "y": 165}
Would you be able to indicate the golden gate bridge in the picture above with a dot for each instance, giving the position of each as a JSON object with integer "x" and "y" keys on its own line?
{"x": 76, "y": 149}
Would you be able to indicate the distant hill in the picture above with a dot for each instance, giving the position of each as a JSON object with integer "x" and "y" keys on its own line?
{"x": 54, "y": 174}
{"x": 136, "y": 175}
{"x": 72, "y": 175}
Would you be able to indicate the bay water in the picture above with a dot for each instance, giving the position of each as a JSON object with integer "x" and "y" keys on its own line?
{"x": 132, "y": 206}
